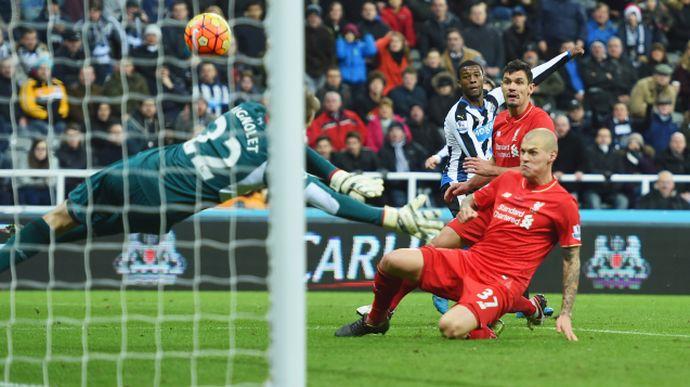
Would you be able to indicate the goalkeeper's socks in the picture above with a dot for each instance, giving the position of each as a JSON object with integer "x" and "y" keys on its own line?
{"x": 525, "y": 306}
{"x": 385, "y": 288}
{"x": 31, "y": 238}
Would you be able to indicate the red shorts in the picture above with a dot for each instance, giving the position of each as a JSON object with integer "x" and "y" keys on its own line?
{"x": 448, "y": 274}
{"x": 473, "y": 230}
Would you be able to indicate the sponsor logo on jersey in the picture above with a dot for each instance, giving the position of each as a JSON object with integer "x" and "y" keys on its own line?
{"x": 516, "y": 135}
{"x": 536, "y": 206}
{"x": 617, "y": 263}
{"x": 514, "y": 152}
{"x": 150, "y": 260}
{"x": 576, "y": 232}
{"x": 507, "y": 194}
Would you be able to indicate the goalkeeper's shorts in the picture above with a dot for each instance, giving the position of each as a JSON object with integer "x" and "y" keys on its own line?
{"x": 116, "y": 195}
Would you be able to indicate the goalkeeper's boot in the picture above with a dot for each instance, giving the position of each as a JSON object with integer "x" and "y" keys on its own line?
{"x": 497, "y": 326}
{"x": 361, "y": 328}
{"x": 539, "y": 316}
{"x": 441, "y": 304}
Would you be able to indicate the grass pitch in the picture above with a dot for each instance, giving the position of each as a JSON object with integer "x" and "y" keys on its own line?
{"x": 624, "y": 340}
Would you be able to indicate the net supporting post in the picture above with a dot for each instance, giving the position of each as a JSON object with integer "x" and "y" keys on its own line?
{"x": 286, "y": 249}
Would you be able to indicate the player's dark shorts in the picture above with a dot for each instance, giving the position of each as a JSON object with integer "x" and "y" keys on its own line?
{"x": 447, "y": 274}
{"x": 99, "y": 202}
{"x": 453, "y": 206}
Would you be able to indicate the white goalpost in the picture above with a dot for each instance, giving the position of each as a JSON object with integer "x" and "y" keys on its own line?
{"x": 287, "y": 254}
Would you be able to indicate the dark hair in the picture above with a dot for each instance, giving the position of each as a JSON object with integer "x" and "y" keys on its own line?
{"x": 376, "y": 74}
{"x": 252, "y": 3}
{"x": 452, "y": 30}
{"x": 28, "y": 30}
{"x": 468, "y": 63}
{"x": 353, "y": 134}
{"x": 324, "y": 138}
{"x": 178, "y": 2}
{"x": 409, "y": 70}
{"x": 516, "y": 65}
{"x": 95, "y": 5}
{"x": 35, "y": 163}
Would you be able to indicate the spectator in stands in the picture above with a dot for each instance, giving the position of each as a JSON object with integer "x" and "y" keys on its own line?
{"x": 456, "y": 52}
{"x": 408, "y": 94}
{"x": 145, "y": 56}
{"x": 681, "y": 78}
{"x": 8, "y": 86}
{"x": 432, "y": 33}
{"x": 620, "y": 124}
{"x": 6, "y": 191}
{"x": 380, "y": 123}
{"x": 560, "y": 21}
{"x": 676, "y": 157}
{"x": 579, "y": 122}
{"x": 432, "y": 65}
{"x": 679, "y": 35}
{"x": 173, "y": 36}
{"x": 5, "y": 49}
{"x": 636, "y": 37}
{"x": 319, "y": 47}
{"x": 664, "y": 196}
{"x": 35, "y": 191}
{"x": 137, "y": 87}
{"x": 101, "y": 121}
{"x": 43, "y": 99}
{"x": 545, "y": 93}
{"x": 429, "y": 136}
{"x": 421, "y": 11}
{"x": 657, "y": 17}
{"x": 335, "y": 122}
{"x": 334, "y": 82}
{"x": 30, "y": 49}
{"x": 570, "y": 152}
{"x": 597, "y": 75}
{"x": 650, "y": 89}
{"x": 355, "y": 157}
{"x": 142, "y": 128}
{"x": 519, "y": 37}
{"x": 393, "y": 55}
{"x": 247, "y": 89}
{"x": 367, "y": 102}
{"x": 637, "y": 157}
{"x": 657, "y": 56}
{"x": 661, "y": 126}
{"x": 400, "y": 155}
{"x": 134, "y": 22}
{"x": 212, "y": 90}
{"x": 371, "y": 21}
{"x": 334, "y": 19}
{"x": 77, "y": 93}
{"x": 110, "y": 150}
{"x": 105, "y": 38}
{"x": 173, "y": 88}
{"x": 485, "y": 39}
{"x": 602, "y": 158}
{"x": 599, "y": 26}
{"x": 324, "y": 147}
{"x": 30, "y": 11}
{"x": 186, "y": 123}
{"x": 399, "y": 19}
{"x": 69, "y": 58}
{"x": 570, "y": 72}
{"x": 443, "y": 98}
{"x": 622, "y": 70}
{"x": 251, "y": 37}
{"x": 72, "y": 154}
{"x": 352, "y": 51}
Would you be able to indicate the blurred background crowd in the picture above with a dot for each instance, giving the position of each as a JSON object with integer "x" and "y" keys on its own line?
{"x": 83, "y": 85}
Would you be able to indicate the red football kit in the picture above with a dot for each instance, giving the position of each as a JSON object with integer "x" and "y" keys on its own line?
{"x": 526, "y": 222}
{"x": 508, "y": 133}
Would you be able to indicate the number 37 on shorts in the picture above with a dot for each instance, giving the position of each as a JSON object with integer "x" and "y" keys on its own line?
{"x": 487, "y": 299}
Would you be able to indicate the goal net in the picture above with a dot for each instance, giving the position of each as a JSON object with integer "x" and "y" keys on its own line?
{"x": 180, "y": 304}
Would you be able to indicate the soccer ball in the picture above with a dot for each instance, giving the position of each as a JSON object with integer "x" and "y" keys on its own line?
{"x": 208, "y": 34}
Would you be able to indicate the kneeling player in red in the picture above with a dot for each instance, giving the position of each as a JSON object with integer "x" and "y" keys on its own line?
{"x": 531, "y": 213}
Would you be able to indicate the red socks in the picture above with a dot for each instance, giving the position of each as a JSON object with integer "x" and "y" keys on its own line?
{"x": 385, "y": 289}
{"x": 404, "y": 289}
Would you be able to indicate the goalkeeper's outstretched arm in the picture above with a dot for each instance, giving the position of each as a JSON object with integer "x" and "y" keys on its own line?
{"x": 357, "y": 186}
{"x": 423, "y": 224}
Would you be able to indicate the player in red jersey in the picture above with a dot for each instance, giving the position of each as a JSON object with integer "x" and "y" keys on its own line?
{"x": 531, "y": 213}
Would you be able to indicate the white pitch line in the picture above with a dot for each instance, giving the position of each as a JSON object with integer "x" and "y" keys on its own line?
{"x": 626, "y": 332}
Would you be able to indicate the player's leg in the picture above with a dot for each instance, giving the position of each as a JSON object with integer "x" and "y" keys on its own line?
{"x": 394, "y": 268}
{"x": 458, "y": 322}
{"x": 35, "y": 236}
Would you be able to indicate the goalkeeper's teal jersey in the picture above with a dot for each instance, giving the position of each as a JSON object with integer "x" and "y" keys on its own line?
{"x": 229, "y": 156}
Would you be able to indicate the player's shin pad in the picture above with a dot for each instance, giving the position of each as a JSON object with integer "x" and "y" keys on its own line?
{"x": 422, "y": 224}
{"x": 358, "y": 187}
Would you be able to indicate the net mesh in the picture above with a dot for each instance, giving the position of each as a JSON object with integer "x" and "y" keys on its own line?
{"x": 130, "y": 309}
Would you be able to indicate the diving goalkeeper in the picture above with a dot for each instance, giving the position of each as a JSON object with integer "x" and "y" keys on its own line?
{"x": 163, "y": 186}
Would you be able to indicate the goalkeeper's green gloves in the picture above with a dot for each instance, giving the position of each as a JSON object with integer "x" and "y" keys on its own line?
{"x": 422, "y": 224}
{"x": 358, "y": 187}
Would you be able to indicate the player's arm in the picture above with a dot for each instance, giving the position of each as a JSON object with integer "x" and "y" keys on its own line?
{"x": 571, "y": 278}
{"x": 468, "y": 209}
{"x": 409, "y": 219}
{"x": 358, "y": 186}
{"x": 484, "y": 171}
{"x": 541, "y": 72}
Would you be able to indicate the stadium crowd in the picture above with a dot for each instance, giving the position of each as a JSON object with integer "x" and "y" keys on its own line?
{"x": 82, "y": 86}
